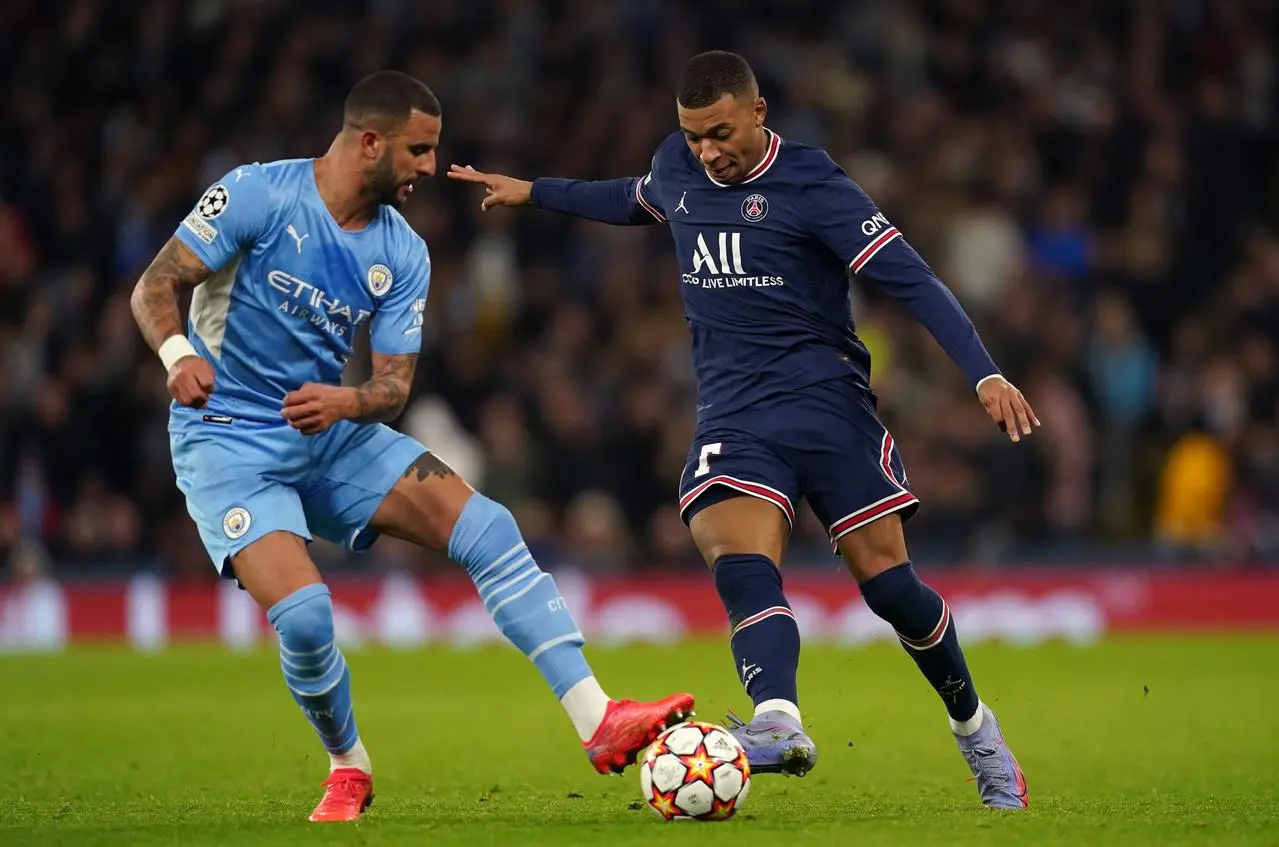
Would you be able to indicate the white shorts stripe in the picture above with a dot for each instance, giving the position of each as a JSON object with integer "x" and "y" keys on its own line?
{"x": 754, "y": 489}
{"x": 873, "y": 512}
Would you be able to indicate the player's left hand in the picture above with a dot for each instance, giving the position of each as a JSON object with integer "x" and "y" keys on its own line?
{"x": 500, "y": 190}
{"x": 313, "y": 408}
{"x": 1007, "y": 407}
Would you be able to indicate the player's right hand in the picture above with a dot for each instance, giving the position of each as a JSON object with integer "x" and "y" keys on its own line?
{"x": 499, "y": 190}
{"x": 1007, "y": 407}
{"x": 191, "y": 381}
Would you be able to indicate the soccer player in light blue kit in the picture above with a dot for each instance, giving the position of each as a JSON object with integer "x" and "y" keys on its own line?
{"x": 286, "y": 260}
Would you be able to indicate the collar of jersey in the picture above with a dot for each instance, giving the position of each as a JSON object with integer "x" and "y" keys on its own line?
{"x": 774, "y": 145}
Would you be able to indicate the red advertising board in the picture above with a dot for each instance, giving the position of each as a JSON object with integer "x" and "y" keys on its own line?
{"x": 399, "y": 610}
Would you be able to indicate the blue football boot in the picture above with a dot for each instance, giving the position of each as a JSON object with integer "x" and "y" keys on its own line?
{"x": 774, "y": 743}
{"x": 1000, "y": 781}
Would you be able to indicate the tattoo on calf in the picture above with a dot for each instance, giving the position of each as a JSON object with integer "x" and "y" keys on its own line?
{"x": 428, "y": 464}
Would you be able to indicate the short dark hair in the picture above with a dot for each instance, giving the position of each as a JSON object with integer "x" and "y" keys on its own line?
{"x": 384, "y": 100}
{"x": 709, "y": 76}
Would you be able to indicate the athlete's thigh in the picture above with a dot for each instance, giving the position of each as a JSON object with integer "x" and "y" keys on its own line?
{"x": 736, "y": 493}
{"x": 236, "y": 490}
{"x": 735, "y": 523}
{"x": 355, "y": 466}
{"x": 424, "y": 504}
{"x": 850, "y": 469}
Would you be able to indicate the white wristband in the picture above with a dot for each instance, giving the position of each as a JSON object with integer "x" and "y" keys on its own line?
{"x": 175, "y": 347}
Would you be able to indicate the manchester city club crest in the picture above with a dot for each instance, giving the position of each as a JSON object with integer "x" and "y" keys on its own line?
{"x": 236, "y": 522}
{"x": 755, "y": 207}
{"x": 379, "y": 280}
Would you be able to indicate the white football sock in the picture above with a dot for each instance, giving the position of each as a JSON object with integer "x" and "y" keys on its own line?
{"x": 356, "y": 757}
{"x": 971, "y": 725}
{"x": 784, "y": 706}
{"x": 585, "y": 703}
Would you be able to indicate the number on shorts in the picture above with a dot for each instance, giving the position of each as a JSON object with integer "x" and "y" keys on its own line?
{"x": 703, "y": 461}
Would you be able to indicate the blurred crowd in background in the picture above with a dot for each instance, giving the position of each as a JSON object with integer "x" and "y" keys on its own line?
{"x": 1097, "y": 182}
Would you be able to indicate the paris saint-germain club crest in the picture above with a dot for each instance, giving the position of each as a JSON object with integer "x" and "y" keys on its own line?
{"x": 754, "y": 207}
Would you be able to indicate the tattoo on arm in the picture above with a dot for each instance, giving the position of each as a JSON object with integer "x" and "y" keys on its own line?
{"x": 155, "y": 297}
{"x": 385, "y": 394}
{"x": 428, "y": 464}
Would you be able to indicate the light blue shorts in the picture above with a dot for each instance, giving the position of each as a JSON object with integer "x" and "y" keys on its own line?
{"x": 243, "y": 479}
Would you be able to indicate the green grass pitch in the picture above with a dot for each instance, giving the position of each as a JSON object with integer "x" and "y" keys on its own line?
{"x": 1162, "y": 741}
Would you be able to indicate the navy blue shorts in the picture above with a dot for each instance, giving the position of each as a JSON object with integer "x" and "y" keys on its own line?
{"x": 825, "y": 444}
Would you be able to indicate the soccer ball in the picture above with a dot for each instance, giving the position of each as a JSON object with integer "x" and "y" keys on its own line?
{"x": 695, "y": 771}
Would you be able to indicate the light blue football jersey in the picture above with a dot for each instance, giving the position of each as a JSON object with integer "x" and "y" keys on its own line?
{"x": 290, "y": 287}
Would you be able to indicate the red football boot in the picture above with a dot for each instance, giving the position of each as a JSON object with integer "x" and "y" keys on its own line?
{"x": 347, "y": 793}
{"x": 629, "y": 726}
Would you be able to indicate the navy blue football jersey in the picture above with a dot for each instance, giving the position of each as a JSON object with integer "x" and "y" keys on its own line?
{"x": 765, "y": 266}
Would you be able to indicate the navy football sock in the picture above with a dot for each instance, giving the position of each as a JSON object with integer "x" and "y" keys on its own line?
{"x": 765, "y": 637}
{"x": 923, "y": 623}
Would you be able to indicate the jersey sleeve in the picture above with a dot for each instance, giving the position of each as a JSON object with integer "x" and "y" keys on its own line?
{"x": 647, "y": 196}
{"x": 848, "y": 222}
{"x": 622, "y": 202}
{"x": 229, "y": 217}
{"x": 397, "y": 323}
{"x": 629, "y": 201}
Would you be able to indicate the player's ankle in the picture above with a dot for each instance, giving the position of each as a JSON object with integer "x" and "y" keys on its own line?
{"x": 356, "y": 757}
{"x": 971, "y": 725}
{"x": 786, "y": 707}
{"x": 586, "y": 704}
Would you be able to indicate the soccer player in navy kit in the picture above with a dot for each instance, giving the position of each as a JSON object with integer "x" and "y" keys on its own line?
{"x": 767, "y": 232}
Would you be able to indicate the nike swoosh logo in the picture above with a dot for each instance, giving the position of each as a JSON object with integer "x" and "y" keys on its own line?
{"x": 777, "y": 735}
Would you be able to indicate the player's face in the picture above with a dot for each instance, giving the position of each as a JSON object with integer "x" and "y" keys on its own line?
{"x": 726, "y": 136}
{"x": 407, "y": 154}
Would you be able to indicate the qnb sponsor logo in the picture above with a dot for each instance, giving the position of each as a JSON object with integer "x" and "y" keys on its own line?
{"x": 875, "y": 224}
{"x": 311, "y": 303}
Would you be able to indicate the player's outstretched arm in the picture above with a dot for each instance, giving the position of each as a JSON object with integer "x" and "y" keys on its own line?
{"x": 621, "y": 202}
{"x": 155, "y": 308}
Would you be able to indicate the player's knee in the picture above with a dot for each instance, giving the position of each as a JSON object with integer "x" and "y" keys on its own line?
{"x": 732, "y": 548}
{"x": 743, "y": 526}
{"x": 304, "y": 620}
{"x": 484, "y": 533}
{"x": 874, "y": 548}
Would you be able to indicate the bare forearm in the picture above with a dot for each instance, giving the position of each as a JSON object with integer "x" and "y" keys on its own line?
{"x": 384, "y": 395}
{"x": 379, "y": 400}
{"x": 155, "y": 297}
{"x": 155, "y": 308}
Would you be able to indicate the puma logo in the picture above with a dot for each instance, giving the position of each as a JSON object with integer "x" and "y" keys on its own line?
{"x": 294, "y": 234}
